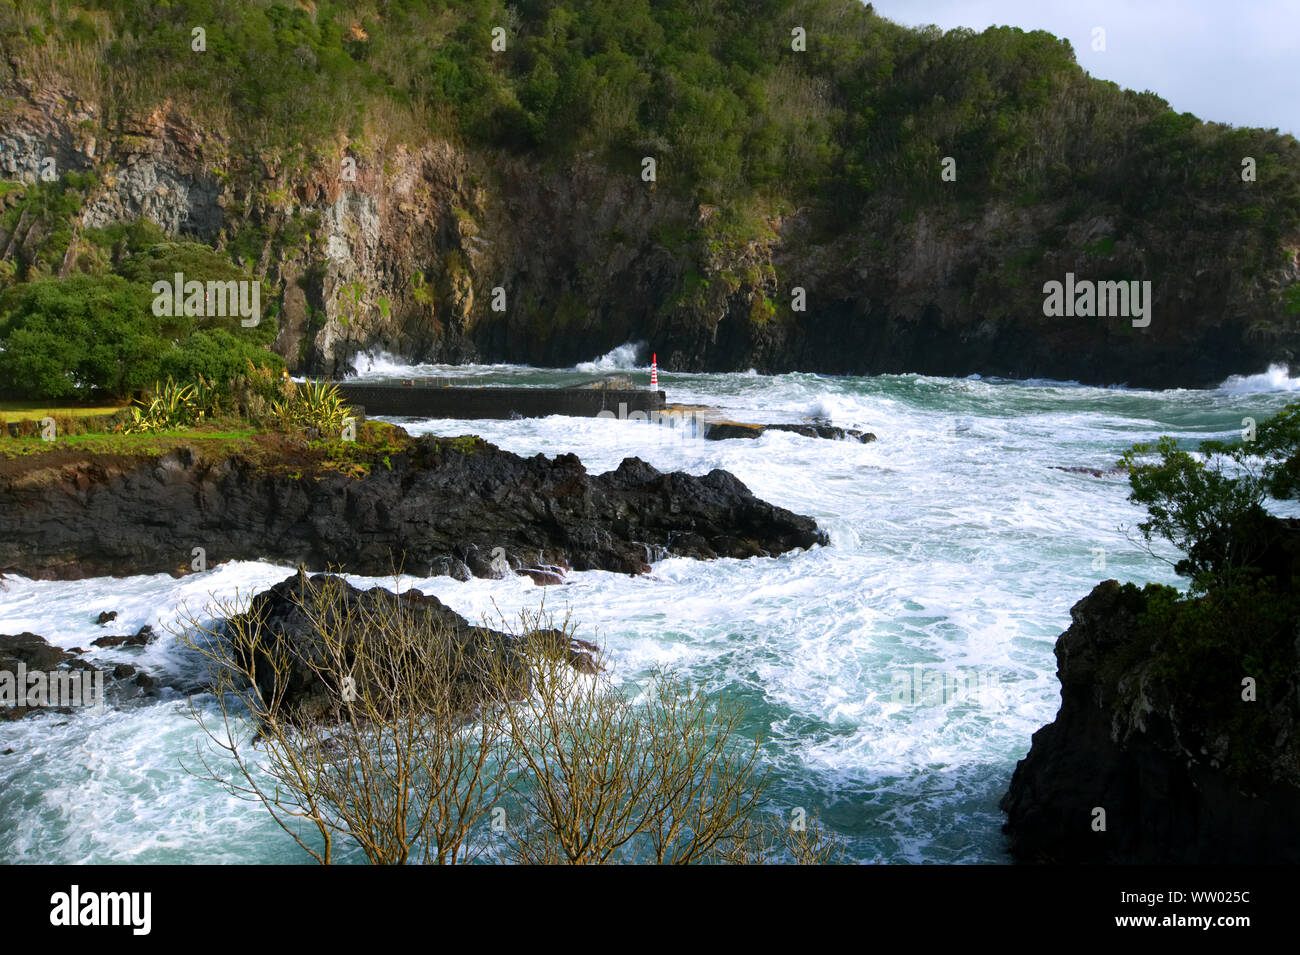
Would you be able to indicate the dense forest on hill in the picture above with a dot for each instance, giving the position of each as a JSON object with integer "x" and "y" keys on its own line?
{"x": 793, "y": 140}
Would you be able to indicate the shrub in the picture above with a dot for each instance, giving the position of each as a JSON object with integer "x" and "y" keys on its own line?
{"x": 314, "y": 405}
{"x": 430, "y": 742}
{"x": 170, "y": 407}
{"x": 75, "y": 337}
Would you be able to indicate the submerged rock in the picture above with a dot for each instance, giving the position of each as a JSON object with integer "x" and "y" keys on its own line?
{"x": 726, "y": 430}
{"x": 143, "y": 637}
{"x": 28, "y": 657}
{"x": 1092, "y": 472}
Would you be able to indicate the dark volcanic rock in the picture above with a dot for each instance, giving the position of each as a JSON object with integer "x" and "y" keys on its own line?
{"x": 143, "y": 637}
{"x": 438, "y": 507}
{"x": 1092, "y": 472}
{"x": 106, "y": 616}
{"x": 543, "y": 576}
{"x": 1147, "y": 754}
{"x": 30, "y": 650}
{"x": 24, "y": 654}
{"x": 726, "y": 430}
{"x": 290, "y": 655}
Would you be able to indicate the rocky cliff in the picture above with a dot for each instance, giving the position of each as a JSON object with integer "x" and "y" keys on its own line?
{"x": 1161, "y": 752}
{"x": 447, "y": 252}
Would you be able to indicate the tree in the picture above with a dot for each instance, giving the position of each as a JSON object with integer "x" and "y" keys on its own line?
{"x": 418, "y": 739}
{"x": 608, "y": 779}
{"x": 382, "y": 752}
{"x": 1211, "y": 504}
{"x": 69, "y": 338}
{"x": 162, "y": 261}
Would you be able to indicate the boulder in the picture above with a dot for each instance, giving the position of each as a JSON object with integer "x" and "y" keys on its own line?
{"x": 289, "y": 656}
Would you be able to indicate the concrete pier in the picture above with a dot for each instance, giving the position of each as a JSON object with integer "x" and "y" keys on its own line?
{"x": 420, "y": 400}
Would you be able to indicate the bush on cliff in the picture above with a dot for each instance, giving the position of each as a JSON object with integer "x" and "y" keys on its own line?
{"x": 1210, "y": 504}
{"x": 1238, "y": 622}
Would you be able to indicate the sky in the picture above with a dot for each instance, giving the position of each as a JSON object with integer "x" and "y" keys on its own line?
{"x": 1230, "y": 61}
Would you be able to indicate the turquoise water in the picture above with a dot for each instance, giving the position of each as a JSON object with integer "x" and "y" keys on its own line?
{"x": 957, "y": 551}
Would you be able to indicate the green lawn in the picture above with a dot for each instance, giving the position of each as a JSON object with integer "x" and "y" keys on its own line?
{"x": 36, "y": 410}
{"x": 129, "y": 444}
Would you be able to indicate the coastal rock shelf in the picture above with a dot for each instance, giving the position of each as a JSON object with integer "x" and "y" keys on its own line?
{"x": 428, "y": 506}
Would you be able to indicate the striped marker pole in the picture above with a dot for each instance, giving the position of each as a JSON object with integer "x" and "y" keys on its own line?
{"x": 654, "y": 371}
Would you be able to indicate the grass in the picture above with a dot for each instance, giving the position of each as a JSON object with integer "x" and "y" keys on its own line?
{"x": 268, "y": 450}
{"x": 127, "y": 445}
{"x": 35, "y": 410}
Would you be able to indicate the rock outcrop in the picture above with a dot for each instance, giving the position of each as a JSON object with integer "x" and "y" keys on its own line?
{"x": 428, "y": 506}
{"x": 1146, "y": 764}
{"x": 727, "y": 430}
{"x": 37, "y": 677}
{"x": 277, "y": 639}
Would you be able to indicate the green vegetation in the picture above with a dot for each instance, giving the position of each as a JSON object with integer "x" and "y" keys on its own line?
{"x": 78, "y": 338}
{"x": 853, "y": 129}
{"x": 465, "y": 444}
{"x": 36, "y": 410}
{"x": 215, "y": 441}
{"x": 715, "y": 91}
{"x": 314, "y": 405}
{"x": 43, "y": 211}
{"x": 91, "y": 336}
{"x": 170, "y": 407}
{"x": 279, "y": 425}
{"x": 1240, "y": 617}
{"x": 1210, "y": 504}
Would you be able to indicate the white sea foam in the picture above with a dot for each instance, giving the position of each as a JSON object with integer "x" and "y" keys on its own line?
{"x": 627, "y": 357}
{"x": 955, "y": 546}
{"x": 1274, "y": 380}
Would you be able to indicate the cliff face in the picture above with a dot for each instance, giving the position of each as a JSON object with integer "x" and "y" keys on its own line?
{"x": 1149, "y": 754}
{"x": 407, "y": 256}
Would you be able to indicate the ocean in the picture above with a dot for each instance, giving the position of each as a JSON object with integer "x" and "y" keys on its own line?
{"x": 893, "y": 678}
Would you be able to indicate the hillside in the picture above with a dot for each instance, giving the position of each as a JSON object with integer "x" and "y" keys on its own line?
{"x": 383, "y": 170}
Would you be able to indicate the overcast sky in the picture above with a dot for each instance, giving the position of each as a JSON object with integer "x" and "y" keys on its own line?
{"x": 1231, "y": 61}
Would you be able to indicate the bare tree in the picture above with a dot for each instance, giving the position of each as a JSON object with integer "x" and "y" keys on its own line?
{"x": 395, "y": 760}
{"x": 416, "y": 738}
{"x": 609, "y": 778}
